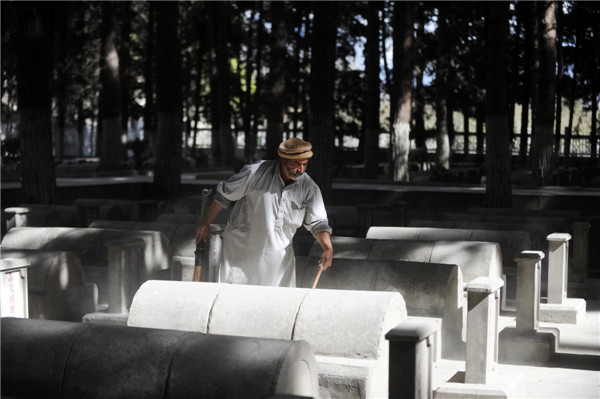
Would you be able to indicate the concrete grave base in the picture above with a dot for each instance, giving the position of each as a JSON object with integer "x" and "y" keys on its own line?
{"x": 348, "y": 378}
{"x": 527, "y": 346}
{"x": 571, "y": 311}
{"x": 501, "y": 386}
{"x": 351, "y": 352}
{"x": 115, "y": 319}
{"x": 56, "y": 359}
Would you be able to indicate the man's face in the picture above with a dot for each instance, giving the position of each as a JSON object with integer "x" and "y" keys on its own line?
{"x": 293, "y": 168}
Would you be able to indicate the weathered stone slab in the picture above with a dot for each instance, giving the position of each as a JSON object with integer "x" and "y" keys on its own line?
{"x": 430, "y": 290}
{"x": 351, "y": 351}
{"x": 88, "y": 245}
{"x": 71, "y": 360}
{"x": 512, "y": 242}
{"x": 182, "y": 238}
{"x": 58, "y": 289}
{"x": 475, "y": 258}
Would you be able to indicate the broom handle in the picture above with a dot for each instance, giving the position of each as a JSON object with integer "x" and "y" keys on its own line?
{"x": 317, "y": 277}
{"x": 198, "y": 268}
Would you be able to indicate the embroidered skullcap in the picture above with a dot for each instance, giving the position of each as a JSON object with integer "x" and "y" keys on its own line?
{"x": 295, "y": 148}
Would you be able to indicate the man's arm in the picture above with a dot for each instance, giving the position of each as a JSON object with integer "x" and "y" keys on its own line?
{"x": 324, "y": 239}
{"x": 203, "y": 226}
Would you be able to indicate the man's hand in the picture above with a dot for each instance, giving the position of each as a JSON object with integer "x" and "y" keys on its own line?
{"x": 202, "y": 232}
{"x": 203, "y": 226}
{"x": 324, "y": 239}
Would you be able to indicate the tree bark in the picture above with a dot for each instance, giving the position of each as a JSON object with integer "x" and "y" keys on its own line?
{"x": 441, "y": 108}
{"x": 524, "y": 10}
{"x": 169, "y": 101}
{"x": 223, "y": 141}
{"x": 256, "y": 108}
{"x": 498, "y": 191}
{"x": 149, "y": 107}
{"x": 572, "y": 95}
{"x": 542, "y": 148}
{"x": 559, "y": 78}
{"x": 126, "y": 14}
{"x": 372, "y": 128}
{"x": 34, "y": 57}
{"x": 594, "y": 130}
{"x": 111, "y": 148}
{"x": 419, "y": 114}
{"x": 247, "y": 104}
{"x": 321, "y": 95}
{"x": 404, "y": 61}
{"x": 62, "y": 76}
{"x": 276, "y": 97}
{"x": 466, "y": 131}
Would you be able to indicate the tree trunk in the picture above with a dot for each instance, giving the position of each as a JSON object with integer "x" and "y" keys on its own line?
{"x": 34, "y": 55}
{"x": 372, "y": 128}
{"x": 126, "y": 14}
{"x": 387, "y": 84}
{"x": 441, "y": 109}
{"x": 80, "y": 127}
{"x": 149, "y": 107}
{"x": 247, "y": 105}
{"x": 419, "y": 113}
{"x": 479, "y": 128}
{"x": 223, "y": 137}
{"x": 466, "y": 131}
{"x": 523, "y": 15}
{"x": 199, "y": 56}
{"x": 306, "y": 83}
{"x": 167, "y": 168}
{"x": 62, "y": 76}
{"x": 559, "y": 77}
{"x": 404, "y": 61}
{"x": 256, "y": 109}
{"x": 572, "y": 97}
{"x": 110, "y": 150}
{"x": 542, "y": 150}
{"x": 594, "y": 131}
{"x": 498, "y": 190}
{"x": 276, "y": 96}
{"x": 297, "y": 75}
{"x": 321, "y": 95}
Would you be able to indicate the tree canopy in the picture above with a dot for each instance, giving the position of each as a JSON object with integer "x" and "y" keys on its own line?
{"x": 382, "y": 88}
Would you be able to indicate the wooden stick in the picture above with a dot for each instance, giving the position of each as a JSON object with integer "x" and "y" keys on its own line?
{"x": 198, "y": 268}
{"x": 197, "y": 273}
{"x": 317, "y": 278}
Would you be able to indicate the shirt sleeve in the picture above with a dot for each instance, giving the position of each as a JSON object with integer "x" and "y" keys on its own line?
{"x": 235, "y": 187}
{"x": 315, "y": 219}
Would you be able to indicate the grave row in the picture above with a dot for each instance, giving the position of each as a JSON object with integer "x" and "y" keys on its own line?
{"x": 130, "y": 258}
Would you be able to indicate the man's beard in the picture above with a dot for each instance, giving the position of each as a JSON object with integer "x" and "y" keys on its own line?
{"x": 293, "y": 175}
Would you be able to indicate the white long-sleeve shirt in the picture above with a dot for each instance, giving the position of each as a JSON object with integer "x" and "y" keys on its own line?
{"x": 257, "y": 241}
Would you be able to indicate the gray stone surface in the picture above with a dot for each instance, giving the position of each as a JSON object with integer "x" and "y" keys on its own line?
{"x": 88, "y": 245}
{"x": 528, "y": 289}
{"x": 345, "y": 329}
{"x": 429, "y": 289}
{"x": 411, "y": 358}
{"x": 475, "y": 258}
{"x": 181, "y": 236}
{"x": 63, "y": 359}
{"x": 511, "y": 242}
{"x": 58, "y": 289}
{"x": 482, "y": 329}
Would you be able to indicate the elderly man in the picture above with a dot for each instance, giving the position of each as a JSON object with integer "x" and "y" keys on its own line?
{"x": 272, "y": 199}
